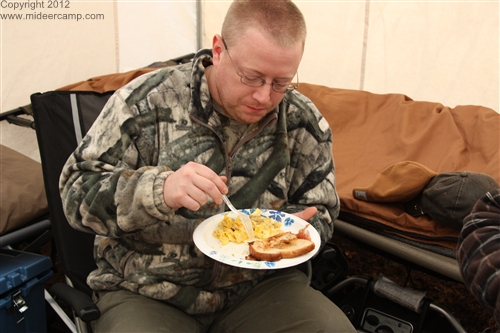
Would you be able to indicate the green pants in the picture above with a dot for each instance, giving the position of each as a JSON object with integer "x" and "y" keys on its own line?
{"x": 282, "y": 303}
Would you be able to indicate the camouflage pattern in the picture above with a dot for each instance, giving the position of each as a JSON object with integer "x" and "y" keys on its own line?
{"x": 112, "y": 185}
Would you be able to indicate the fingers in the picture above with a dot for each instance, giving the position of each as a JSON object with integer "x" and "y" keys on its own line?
{"x": 307, "y": 213}
{"x": 195, "y": 200}
{"x": 210, "y": 184}
{"x": 192, "y": 185}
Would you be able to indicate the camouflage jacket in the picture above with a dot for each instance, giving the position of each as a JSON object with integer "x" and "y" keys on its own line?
{"x": 112, "y": 185}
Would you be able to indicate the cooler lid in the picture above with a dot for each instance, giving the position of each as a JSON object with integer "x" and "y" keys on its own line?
{"x": 18, "y": 267}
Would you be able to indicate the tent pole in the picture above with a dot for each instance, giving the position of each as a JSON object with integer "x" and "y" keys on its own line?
{"x": 199, "y": 25}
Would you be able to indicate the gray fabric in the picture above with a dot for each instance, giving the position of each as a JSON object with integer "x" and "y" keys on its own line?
{"x": 76, "y": 118}
{"x": 264, "y": 309}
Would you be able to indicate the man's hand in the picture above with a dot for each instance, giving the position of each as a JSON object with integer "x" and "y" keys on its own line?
{"x": 307, "y": 213}
{"x": 191, "y": 186}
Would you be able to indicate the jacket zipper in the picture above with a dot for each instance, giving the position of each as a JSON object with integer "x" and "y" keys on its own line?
{"x": 229, "y": 157}
{"x": 229, "y": 162}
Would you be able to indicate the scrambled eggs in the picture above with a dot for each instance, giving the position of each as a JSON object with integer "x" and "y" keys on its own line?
{"x": 232, "y": 229}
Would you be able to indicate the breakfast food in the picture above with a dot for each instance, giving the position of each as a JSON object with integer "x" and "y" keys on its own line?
{"x": 281, "y": 246}
{"x": 271, "y": 242}
{"x": 231, "y": 229}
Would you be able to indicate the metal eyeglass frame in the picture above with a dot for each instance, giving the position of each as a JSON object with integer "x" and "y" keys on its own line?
{"x": 255, "y": 81}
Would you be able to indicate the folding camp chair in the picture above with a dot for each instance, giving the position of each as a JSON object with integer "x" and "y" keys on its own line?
{"x": 62, "y": 119}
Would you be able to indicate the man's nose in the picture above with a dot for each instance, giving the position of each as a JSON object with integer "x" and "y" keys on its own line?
{"x": 263, "y": 94}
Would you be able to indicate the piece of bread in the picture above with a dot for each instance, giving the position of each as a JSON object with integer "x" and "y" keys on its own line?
{"x": 280, "y": 246}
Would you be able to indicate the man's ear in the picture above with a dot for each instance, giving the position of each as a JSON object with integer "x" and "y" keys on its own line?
{"x": 217, "y": 48}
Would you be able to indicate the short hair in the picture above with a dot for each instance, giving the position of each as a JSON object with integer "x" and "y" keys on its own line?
{"x": 281, "y": 20}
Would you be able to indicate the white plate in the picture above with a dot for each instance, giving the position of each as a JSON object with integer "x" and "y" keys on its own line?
{"x": 235, "y": 254}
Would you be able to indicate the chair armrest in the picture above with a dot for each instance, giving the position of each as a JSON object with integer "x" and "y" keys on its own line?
{"x": 82, "y": 304}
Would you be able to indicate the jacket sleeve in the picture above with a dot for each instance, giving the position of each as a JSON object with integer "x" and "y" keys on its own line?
{"x": 106, "y": 187}
{"x": 479, "y": 252}
{"x": 313, "y": 181}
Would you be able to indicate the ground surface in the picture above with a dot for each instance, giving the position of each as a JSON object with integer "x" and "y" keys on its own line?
{"x": 450, "y": 295}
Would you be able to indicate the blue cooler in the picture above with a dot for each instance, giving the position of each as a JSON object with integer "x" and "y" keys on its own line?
{"x": 22, "y": 299}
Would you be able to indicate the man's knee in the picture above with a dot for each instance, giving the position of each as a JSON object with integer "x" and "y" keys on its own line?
{"x": 123, "y": 311}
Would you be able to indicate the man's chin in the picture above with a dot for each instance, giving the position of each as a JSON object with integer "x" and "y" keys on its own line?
{"x": 254, "y": 115}
{"x": 249, "y": 115}
{"x": 252, "y": 118}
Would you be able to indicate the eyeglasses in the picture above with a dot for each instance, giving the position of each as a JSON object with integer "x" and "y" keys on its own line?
{"x": 255, "y": 81}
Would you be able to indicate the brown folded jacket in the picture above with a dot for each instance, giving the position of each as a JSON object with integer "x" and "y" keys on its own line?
{"x": 109, "y": 82}
{"x": 373, "y": 131}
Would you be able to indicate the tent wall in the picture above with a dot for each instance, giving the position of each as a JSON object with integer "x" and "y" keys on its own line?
{"x": 155, "y": 31}
{"x": 442, "y": 51}
{"x": 38, "y": 55}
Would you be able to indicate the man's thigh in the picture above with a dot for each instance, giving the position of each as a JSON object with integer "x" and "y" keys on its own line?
{"x": 123, "y": 311}
{"x": 285, "y": 302}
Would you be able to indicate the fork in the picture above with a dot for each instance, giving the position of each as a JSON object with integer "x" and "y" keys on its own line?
{"x": 245, "y": 219}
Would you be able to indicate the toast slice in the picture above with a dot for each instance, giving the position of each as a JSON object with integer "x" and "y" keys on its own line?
{"x": 280, "y": 246}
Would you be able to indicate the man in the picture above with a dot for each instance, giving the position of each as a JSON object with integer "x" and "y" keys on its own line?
{"x": 479, "y": 252}
{"x": 164, "y": 150}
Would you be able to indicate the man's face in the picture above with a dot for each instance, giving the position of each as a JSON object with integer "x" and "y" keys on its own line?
{"x": 252, "y": 55}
